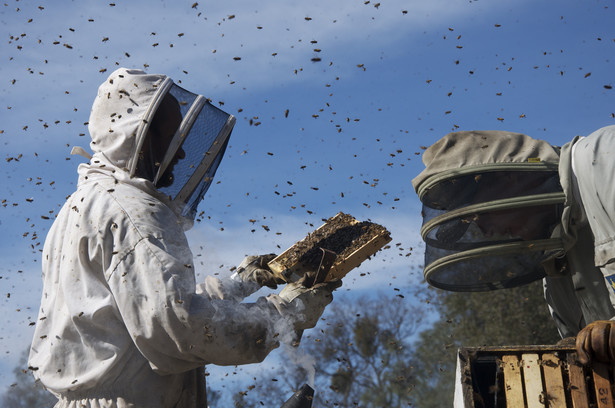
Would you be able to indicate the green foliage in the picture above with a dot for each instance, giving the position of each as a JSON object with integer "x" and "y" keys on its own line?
{"x": 366, "y": 333}
{"x": 516, "y": 316}
{"x": 24, "y": 392}
{"x": 239, "y": 400}
{"x": 213, "y": 397}
{"x": 341, "y": 381}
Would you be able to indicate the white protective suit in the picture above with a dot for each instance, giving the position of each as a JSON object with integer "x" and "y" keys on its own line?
{"x": 122, "y": 322}
{"x": 587, "y": 292}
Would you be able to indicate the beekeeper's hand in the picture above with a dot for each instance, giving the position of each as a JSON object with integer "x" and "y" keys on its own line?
{"x": 306, "y": 305}
{"x": 596, "y": 342}
{"x": 254, "y": 269}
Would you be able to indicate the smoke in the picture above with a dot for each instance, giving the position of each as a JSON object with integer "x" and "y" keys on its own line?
{"x": 272, "y": 319}
{"x": 290, "y": 341}
{"x": 300, "y": 358}
{"x": 289, "y": 337}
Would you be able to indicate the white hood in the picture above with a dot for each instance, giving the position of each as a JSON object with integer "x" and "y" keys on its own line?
{"x": 124, "y": 106}
{"x": 121, "y": 115}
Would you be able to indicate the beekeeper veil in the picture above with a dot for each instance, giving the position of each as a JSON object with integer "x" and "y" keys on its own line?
{"x": 182, "y": 145}
{"x": 150, "y": 128}
{"x": 491, "y": 201}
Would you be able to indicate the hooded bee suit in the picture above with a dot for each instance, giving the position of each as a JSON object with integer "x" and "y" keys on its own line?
{"x": 502, "y": 209}
{"x": 122, "y": 322}
{"x": 581, "y": 289}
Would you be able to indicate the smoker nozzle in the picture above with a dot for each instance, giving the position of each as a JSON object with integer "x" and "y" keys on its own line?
{"x": 301, "y": 399}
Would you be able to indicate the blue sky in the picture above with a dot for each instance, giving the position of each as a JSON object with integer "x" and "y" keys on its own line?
{"x": 343, "y": 133}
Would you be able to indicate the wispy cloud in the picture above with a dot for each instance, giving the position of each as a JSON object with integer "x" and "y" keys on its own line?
{"x": 220, "y": 42}
{"x": 56, "y": 56}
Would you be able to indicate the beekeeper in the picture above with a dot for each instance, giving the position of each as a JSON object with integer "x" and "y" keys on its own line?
{"x": 502, "y": 209}
{"x": 122, "y": 322}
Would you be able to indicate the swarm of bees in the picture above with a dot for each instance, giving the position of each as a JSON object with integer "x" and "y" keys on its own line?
{"x": 343, "y": 148}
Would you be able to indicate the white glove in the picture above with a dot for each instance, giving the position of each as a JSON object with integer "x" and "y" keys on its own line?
{"x": 305, "y": 305}
{"x": 254, "y": 269}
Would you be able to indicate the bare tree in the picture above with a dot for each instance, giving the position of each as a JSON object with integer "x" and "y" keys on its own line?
{"x": 361, "y": 356}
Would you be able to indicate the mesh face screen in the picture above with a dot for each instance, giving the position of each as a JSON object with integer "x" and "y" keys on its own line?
{"x": 195, "y": 198}
{"x": 457, "y": 192}
{"x": 487, "y": 273}
{"x": 480, "y": 229}
{"x": 198, "y": 156}
{"x": 475, "y": 229}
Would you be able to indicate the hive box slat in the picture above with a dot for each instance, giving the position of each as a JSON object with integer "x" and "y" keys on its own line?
{"x": 604, "y": 397}
{"x": 534, "y": 392}
{"x": 544, "y": 376}
{"x": 578, "y": 388}
{"x": 512, "y": 381}
{"x": 554, "y": 383}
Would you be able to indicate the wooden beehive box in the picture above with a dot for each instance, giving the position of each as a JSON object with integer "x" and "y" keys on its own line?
{"x": 530, "y": 377}
{"x": 351, "y": 240}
